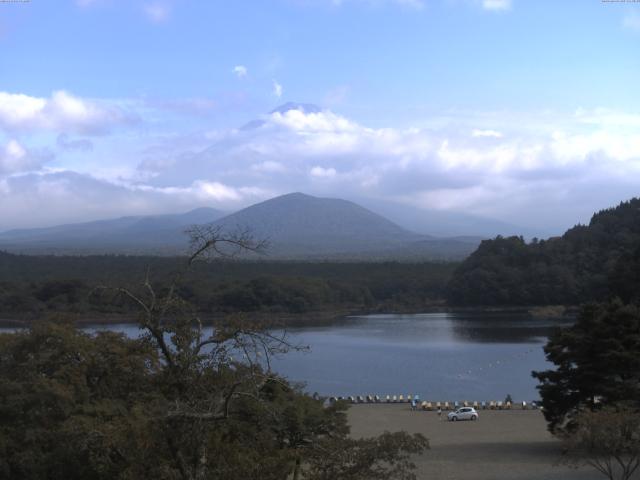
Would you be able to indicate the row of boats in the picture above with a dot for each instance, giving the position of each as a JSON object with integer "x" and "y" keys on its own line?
{"x": 415, "y": 402}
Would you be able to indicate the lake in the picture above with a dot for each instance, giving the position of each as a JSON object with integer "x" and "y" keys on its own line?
{"x": 440, "y": 356}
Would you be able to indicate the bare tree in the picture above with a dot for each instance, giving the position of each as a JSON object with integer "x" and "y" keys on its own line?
{"x": 205, "y": 369}
{"x": 216, "y": 382}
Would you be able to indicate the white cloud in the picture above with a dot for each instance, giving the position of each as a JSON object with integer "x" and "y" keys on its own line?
{"x": 436, "y": 168}
{"x": 61, "y": 112}
{"x": 15, "y": 158}
{"x": 578, "y": 148}
{"x": 200, "y": 189}
{"x": 240, "y": 71}
{"x": 215, "y": 191}
{"x": 204, "y": 191}
{"x": 55, "y": 197}
{"x": 486, "y": 133}
{"x": 323, "y": 172}
{"x": 496, "y": 4}
{"x": 607, "y": 118}
{"x": 16, "y": 109}
{"x": 157, "y": 12}
{"x": 312, "y": 122}
{"x": 277, "y": 89}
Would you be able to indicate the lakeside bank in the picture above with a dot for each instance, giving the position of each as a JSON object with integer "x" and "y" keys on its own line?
{"x": 315, "y": 318}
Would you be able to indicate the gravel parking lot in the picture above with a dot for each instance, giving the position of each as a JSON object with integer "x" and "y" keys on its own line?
{"x": 507, "y": 444}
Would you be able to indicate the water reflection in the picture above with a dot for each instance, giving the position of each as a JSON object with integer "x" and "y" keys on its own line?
{"x": 449, "y": 328}
{"x": 455, "y": 356}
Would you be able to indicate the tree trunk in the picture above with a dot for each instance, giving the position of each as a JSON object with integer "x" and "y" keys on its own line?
{"x": 201, "y": 466}
{"x": 296, "y": 469}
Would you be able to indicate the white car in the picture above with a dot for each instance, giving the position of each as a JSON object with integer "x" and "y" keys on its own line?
{"x": 464, "y": 413}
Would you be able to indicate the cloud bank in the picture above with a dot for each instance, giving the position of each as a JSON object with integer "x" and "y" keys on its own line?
{"x": 534, "y": 168}
{"x": 507, "y": 165}
{"x": 60, "y": 112}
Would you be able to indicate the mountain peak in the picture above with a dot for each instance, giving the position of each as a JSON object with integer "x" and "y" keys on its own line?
{"x": 282, "y": 109}
{"x": 295, "y": 196}
{"x": 301, "y": 224}
{"x": 302, "y": 107}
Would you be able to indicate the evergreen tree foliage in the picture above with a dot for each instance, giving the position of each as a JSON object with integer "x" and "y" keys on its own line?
{"x": 588, "y": 263}
{"x": 597, "y": 363}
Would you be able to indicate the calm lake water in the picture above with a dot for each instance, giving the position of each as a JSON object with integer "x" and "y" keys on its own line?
{"x": 440, "y": 356}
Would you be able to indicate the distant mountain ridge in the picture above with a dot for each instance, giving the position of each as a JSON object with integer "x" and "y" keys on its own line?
{"x": 296, "y": 226}
{"x": 451, "y": 224}
{"x": 133, "y": 234}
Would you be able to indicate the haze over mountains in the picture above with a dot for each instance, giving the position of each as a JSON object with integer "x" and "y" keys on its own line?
{"x": 135, "y": 234}
{"x": 297, "y": 226}
{"x": 450, "y": 224}
{"x": 303, "y": 226}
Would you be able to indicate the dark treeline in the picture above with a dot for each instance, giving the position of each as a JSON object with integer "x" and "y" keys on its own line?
{"x": 588, "y": 263}
{"x": 36, "y": 285}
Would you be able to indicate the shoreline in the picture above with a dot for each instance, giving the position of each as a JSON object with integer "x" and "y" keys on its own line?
{"x": 303, "y": 319}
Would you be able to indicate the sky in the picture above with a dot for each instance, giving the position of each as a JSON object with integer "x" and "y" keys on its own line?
{"x": 525, "y": 111}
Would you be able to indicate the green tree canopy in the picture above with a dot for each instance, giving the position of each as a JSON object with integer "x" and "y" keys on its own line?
{"x": 587, "y": 263}
{"x": 597, "y": 363}
{"x": 181, "y": 402}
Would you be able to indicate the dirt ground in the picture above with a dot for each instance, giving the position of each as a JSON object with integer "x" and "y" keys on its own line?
{"x": 501, "y": 445}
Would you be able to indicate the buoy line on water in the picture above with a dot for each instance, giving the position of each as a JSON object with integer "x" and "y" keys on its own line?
{"x": 496, "y": 363}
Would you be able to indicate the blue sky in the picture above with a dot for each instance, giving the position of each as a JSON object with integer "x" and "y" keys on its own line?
{"x": 522, "y": 110}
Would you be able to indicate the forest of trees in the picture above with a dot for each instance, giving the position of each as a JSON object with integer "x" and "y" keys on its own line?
{"x": 32, "y": 286}
{"x": 588, "y": 263}
{"x": 178, "y": 403}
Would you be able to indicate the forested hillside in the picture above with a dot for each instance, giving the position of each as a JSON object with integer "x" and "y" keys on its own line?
{"x": 588, "y": 263}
